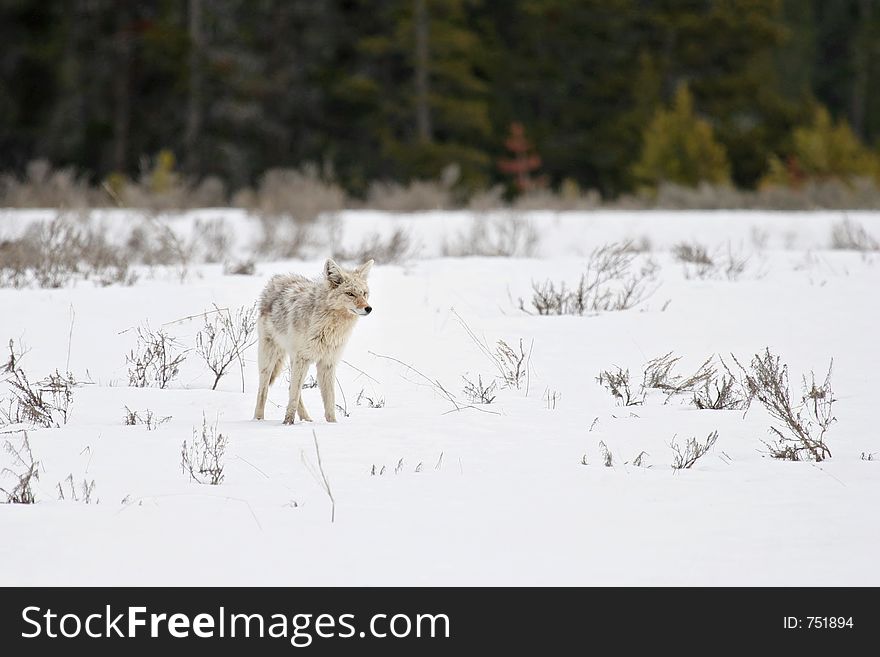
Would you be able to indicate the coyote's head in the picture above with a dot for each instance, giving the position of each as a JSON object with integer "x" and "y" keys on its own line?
{"x": 348, "y": 287}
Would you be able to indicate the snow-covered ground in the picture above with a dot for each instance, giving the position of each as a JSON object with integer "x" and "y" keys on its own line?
{"x": 425, "y": 494}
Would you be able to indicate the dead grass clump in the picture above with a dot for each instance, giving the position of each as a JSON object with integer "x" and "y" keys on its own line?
{"x": 202, "y": 459}
{"x": 155, "y": 360}
{"x": 415, "y": 196}
{"x": 800, "y": 426}
{"x": 852, "y": 236}
{"x": 685, "y": 457}
{"x": 397, "y": 247}
{"x": 617, "y": 382}
{"x": 611, "y": 282}
{"x": 505, "y": 236}
{"x": 300, "y": 194}
{"x": 24, "y": 472}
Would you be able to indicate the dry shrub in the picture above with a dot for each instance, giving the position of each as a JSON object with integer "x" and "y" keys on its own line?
{"x": 202, "y": 459}
{"x": 240, "y": 268}
{"x": 799, "y": 432}
{"x": 209, "y": 193}
{"x": 302, "y": 195}
{"x": 147, "y": 419}
{"x": 476, "y": 392}
{"x": 658, "y": 375}
{"x": 692, "y": 253}
{"x": 505, "y": 236}
{"x": 53, "y": 254}
{"x": 155, "y": 360}
{"x": 705, "y": 195}
{"x": 212, "y": 240}
{"x": 24, "y": 472}
{"x": 512, "y": 363}
{"x": 305, "y": 194}
{"x": 282, "y": 237}
{"x": 641, "y": 245}
{"x": 569, "y": 198}
{"x": 565, "y": 200}
{"x": 153, "y": 242}
{"x": 397, "y": 247}
{"x": 487, "y": 199}
{"x": 159, "y": 187}
{"x": 708, "y": 388}
{"x": 831, "y": 194}
{"x": 224, "y": 339}
{"x": 43, "y": 187}
{"x": 617, "y": 382}
{"x": 415, "y": 196}
{"x": 699, "y": 263}
{"x": 720, "y": 393}
{"x": 685, "y": 457}
{"x": 610, "y": 283}
{"x": 852, "y": 236}
{"x": 45, "y": 403}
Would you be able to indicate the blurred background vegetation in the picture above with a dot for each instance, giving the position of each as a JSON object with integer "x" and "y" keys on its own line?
{"x": 585, "y": 99}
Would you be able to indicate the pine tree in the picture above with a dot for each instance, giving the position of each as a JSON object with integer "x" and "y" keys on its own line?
{"x": 822, "y": 150}
{"x": 566, "y": 70}
{"x": 523, "y": 160}
{"x": 421, "y": 90}
{"x": 680, "y": 147}
{"x": 724, "y": 52}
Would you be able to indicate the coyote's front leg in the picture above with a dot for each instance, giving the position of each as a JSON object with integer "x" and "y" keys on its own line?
{"x": 298, "y": 368}
{"x": 327, "y": 383}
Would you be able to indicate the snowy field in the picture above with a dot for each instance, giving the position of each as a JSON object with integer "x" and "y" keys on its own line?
{"x": 427, "y": 493}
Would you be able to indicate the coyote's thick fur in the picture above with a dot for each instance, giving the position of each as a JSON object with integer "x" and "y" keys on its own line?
{"x": 309, "y": 321}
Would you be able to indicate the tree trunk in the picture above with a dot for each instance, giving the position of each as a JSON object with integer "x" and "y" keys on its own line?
{"x": 194, "y": 104}
{"x": 861, "y": 64}
{"x": 423, "y": 110}
{"x": 121, "y": 84}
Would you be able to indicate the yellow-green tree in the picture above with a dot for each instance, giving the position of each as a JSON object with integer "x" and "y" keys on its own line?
{"x": 822, "y": 150}
{"x": 680, "y": 147}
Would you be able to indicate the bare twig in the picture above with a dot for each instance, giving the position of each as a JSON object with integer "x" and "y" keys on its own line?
{"x": 512, "y": 365}
{"x": 188, "y": 317}
{"x": 435, "y": 385}
{"x": 70, "y": 338}
{"x": 357, "y": 369}
{"x": 322, "y": 481}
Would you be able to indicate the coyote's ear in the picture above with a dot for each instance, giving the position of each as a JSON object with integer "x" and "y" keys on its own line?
{"x": 332, "y": 272}
{"x": 364, "y": 269}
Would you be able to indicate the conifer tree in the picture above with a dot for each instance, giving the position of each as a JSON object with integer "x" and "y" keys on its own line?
{"x": 523, "y": 161}
{"x": 680, "y": 147}
{"x": 823, "y": 149}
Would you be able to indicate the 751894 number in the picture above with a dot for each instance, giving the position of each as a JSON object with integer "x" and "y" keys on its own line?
{"x": 828, "y": 622}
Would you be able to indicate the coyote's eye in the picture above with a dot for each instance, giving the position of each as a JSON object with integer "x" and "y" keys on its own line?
{"x": 351, "y": 294}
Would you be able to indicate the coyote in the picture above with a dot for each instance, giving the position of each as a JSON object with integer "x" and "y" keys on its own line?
{"x": 309, "y": 321}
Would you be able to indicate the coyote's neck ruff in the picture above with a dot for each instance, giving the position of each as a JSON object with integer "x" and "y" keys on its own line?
{"x": 310, "y": 321}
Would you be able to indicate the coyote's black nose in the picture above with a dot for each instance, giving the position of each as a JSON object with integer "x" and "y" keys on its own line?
{"x": 368, "y": 309}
